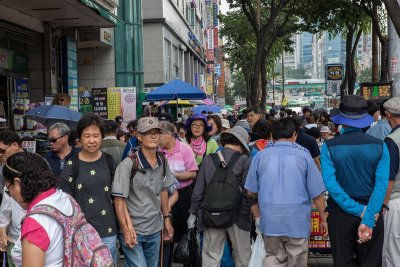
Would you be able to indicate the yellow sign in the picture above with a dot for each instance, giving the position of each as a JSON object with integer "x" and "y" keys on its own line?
{"x": 113, "y": 102}
{"x": 209, "y": 84}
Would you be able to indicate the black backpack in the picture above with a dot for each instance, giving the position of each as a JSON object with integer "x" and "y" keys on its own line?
{"x": 223, "y": 195}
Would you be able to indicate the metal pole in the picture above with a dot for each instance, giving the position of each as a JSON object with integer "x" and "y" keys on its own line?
{"x": 283, "y": 76}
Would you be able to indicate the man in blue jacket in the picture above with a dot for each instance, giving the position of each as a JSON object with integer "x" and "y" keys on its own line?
{"x": 355, "y": 169}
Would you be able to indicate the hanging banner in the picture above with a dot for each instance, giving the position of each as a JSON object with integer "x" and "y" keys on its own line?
{"x": 215, "y": 14}
{"x": 210, "y": 38}
{"x": 128, "y": 103}
{"x": 100, "y": 102}
{"x": 209, "y": 84}
{"x": 216, "y": 39}
{"x": 113, "y": 102}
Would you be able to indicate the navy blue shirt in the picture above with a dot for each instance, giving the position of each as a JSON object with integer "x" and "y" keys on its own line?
{"x": 308, "y": 142}
{"x": 133, "y": 142}
{"x": 56, "y": 163}
{"x": 394, "y": 156}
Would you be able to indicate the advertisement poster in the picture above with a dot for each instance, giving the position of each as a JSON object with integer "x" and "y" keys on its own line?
{"x": 29, "y": 146}
{"x": 209, "y": 84}
{"x": 21, "y": 88}
{"x": 85, "y": 105}
{"x": 99, "y": 96}
{"x": 317, "y": 239}
{"x": 128, "y": 102}
{"x": 334, "y": 77}
{"x": 113, "y": 102}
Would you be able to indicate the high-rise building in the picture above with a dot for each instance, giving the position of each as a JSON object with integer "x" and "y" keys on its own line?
{"x": 174, "y": 42}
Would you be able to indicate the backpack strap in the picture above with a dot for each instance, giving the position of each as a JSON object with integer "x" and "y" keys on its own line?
{"x": 75, "y": 171}
{"x": 164, "y": 163}
{"x": 234, "y": 159}
{"x": 215, "y": 158}
{"x": 110, "y": 164}
{"x": 135, "y": 166}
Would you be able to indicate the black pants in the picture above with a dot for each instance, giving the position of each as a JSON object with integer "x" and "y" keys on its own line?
{"x": 343, "y": 235}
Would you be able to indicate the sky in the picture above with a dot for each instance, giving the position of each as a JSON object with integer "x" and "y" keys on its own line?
{"x": 224, "y": 6}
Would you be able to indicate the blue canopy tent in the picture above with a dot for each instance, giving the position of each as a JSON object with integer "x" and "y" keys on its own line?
{"x": 206, "y": 108}
{"x": 174, "y": 90}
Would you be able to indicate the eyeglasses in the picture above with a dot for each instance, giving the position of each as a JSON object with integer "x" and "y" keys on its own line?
{"x": 198, "y": 126}
{"x": 152, "y": 134}
{"x": 53, "y": 140}
{"x": 3, "y": 150}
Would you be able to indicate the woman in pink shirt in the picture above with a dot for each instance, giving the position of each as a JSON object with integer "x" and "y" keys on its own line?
{"x": 183, "y": 165}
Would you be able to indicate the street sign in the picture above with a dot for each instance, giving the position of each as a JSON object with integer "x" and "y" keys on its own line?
{"x": 376, "y": 91}
{"x": 333, "y": 78}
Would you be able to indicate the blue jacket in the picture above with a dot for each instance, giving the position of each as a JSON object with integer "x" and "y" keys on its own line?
{"x": 355, "y": 169}
{"x": 133, "y": 142}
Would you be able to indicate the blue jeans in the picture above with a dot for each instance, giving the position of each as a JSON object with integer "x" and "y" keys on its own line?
{"x": 145, "y": 253}
{"x": 111, "y": 243}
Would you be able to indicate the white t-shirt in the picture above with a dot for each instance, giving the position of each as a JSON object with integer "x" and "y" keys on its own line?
{"x": 43, "y": 231}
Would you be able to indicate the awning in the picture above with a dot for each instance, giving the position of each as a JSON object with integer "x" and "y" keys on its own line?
{"x": 65, "y": 13}
{"x": 102, "y": 11}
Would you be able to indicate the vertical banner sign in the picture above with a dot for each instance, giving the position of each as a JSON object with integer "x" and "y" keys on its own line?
{"x": 209, "y": 84}
{"x": 100, "y": 102}
{"x": 113, "y": 102}
{"x": 70, "y": 71}
{"x": 128, "y": 103}
{"x": 216, "y": 39}
{"x": 21, "y": 88}
{"x": 215, "y": 14}
{"x": 334, "y": 77}
{"x": 210, "y": 44}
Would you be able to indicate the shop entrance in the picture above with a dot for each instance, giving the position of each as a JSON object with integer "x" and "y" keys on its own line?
{"x": 6, "y": 96}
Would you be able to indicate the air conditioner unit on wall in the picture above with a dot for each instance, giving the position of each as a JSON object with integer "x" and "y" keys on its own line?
{"x": 95, "y": 37}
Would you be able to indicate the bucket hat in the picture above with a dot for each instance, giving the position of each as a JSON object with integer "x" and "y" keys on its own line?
{"x": 353, "y": 112}
{"x": 241, "y": 134}
{"x": 189, "y": 121}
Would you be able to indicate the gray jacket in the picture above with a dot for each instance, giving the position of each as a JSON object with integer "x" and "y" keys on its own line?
{"x": 203, "y": 179}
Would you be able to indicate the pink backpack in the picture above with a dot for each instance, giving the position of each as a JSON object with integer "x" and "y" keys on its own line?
{"x": 82, "y": 243}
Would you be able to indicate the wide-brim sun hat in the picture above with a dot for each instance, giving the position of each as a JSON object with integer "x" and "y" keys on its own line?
{"x": 353, "y": 112}
{"x": 241, "y": 134}
{"x": 325, "y": 129}
{"x": 195, "y": 117}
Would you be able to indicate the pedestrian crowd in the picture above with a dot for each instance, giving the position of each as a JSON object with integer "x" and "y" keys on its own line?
{"x": 228, "y": 178}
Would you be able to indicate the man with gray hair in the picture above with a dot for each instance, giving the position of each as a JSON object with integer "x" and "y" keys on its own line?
{"x": 60, "y": 149}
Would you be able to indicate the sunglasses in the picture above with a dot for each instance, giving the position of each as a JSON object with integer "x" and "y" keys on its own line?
{"x": 53, "y": 140}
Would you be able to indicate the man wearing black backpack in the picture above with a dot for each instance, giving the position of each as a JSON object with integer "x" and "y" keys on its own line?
{"x": 219, "y": 202}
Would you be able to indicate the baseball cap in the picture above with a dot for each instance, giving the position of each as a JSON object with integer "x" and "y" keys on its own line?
{"x": 146, "y": 124}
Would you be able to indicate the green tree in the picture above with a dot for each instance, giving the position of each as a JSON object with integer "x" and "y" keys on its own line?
{"x": 365, "y": 75}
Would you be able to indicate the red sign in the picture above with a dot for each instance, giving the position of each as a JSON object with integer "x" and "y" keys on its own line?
{"x": 216, "y": 39}
{"x": 210, "y": 54}
{"x": 317, "y": 239}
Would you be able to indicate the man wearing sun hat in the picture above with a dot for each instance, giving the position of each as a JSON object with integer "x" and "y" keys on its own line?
{"x": 355, "y": 169}
{"x": 141, "y": 201}
{"x": 391, "y": 245}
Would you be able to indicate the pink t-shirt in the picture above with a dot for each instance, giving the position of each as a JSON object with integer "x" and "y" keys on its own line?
{"x": 181, "y": 159}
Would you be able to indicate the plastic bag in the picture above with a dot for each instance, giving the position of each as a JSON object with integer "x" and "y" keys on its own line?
{"x": 188, "y": 250}
{"x": 257, "y": 252}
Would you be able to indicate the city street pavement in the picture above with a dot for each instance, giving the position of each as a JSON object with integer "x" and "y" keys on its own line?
{"x": 313, "y": 262}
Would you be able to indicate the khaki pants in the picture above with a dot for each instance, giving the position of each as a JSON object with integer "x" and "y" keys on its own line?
{"x": 213, "y": 246}
{"x": 391, "y": 243}
{"x": 285, "y": 251}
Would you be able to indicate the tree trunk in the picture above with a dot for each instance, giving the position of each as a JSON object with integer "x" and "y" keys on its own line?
{"x": 353, "y": 73}
{"x": 393, "y": 9}
{"x": 375, "y": 52}
{"x": 348, "y": 72}
{"x": 255, "y": 80}
{"x": 264, "y": 83}
{"x": 384, "y": 60}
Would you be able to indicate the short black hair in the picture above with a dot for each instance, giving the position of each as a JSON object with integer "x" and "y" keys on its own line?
{"x": 132, "y": 124}
{"x": 284, "y": 128}
{"x": 8, "y": 137}
{"x": 151, "y": 103}
{"x": 251, "y": 109}
{"x": 111, "y": 126}
{"x": 88, "y": 120}
{"x": 382, "y": 109}
{"x": 34, "y": 172}
{"x": 298, "y": 122}
{"x": 372, "y": 107}
{"x": 314, "y": 132}
{"x": 230, "y": 139}
{"x": 119, "y": 119}
{"x": 262, "y": 129}
{"x": 217, "y": 121}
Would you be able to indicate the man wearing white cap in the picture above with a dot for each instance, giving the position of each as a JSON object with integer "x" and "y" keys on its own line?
{"x": 391, "y": 244}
